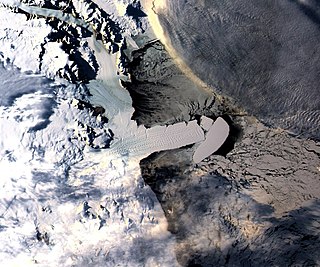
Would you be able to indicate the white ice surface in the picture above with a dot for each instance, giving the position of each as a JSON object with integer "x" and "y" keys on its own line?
{"x": 206, "y": 123}
{"x": 63, "y": 203}
{"x": 21, "y": 37}
{"x": 215, "y": 137}
{"x": 99, "y": 214}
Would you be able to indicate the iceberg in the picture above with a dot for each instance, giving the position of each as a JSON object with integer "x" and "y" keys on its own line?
{"x": 71, "y": 187}
{"x": 215, "y": 137}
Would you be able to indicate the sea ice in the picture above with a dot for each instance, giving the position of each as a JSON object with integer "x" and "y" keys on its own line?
{"x": 63, "y": 202}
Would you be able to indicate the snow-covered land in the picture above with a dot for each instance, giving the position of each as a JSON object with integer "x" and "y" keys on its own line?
{"x": 87, "y": 93}
{"x": 71, "y": 189}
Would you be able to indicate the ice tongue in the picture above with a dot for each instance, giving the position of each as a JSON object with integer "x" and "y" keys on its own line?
{"x": 216, "y": 136}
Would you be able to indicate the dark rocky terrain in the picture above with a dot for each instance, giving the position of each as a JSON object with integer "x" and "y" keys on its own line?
{"x": 254, "y": 203}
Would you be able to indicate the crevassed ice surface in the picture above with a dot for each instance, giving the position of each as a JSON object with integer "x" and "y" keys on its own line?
{"x": 62, "y": 202}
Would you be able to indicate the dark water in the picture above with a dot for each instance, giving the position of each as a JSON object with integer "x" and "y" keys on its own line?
{"x": 263, "y": 54}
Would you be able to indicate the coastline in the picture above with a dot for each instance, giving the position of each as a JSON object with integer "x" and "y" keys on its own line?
{"x": 87, "y": 193}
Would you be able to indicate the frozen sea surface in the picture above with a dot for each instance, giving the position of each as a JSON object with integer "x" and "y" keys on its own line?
{"x": 72, "y": 191}
{"x": 71, "y": 187}
{"x": 264, "y": 55}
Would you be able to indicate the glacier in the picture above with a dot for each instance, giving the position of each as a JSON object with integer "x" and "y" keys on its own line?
{"x": 71, "y": 188}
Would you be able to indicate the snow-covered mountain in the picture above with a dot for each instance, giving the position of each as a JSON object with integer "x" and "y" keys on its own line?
{"x": 65, "y": 199}
{"x": 71, "y": 188}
